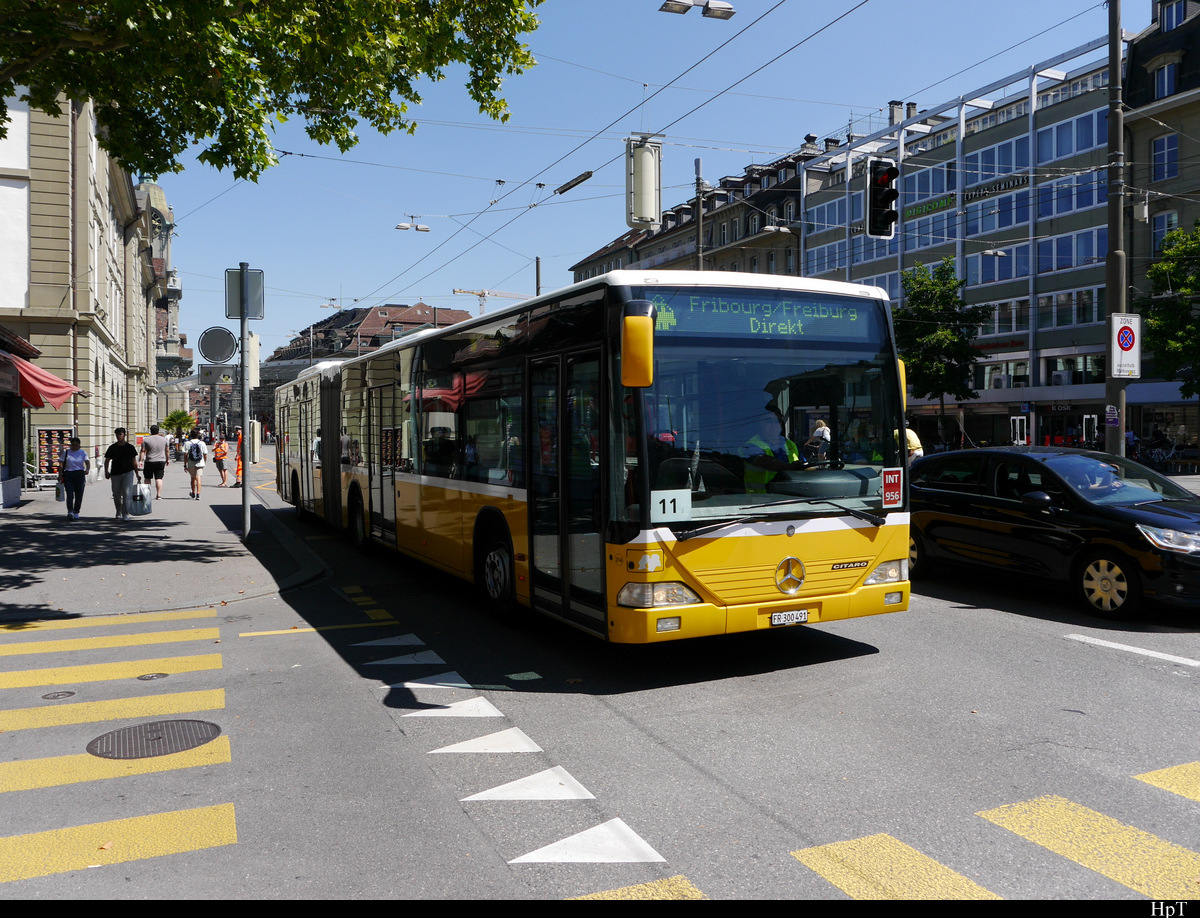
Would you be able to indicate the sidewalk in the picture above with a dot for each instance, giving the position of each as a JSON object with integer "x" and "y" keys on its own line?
{"x": 186, "y": 554}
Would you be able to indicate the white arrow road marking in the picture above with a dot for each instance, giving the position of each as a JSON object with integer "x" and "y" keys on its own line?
{"x": 445, "y": 680}
{"x": 412, "y": 659}
{"x": 552, "y": 784}
{"x": 510, "y": 740}
{"x": 405, "y": 639}
{"x": 472, "y": 707}
{"x": 612, "y": 842}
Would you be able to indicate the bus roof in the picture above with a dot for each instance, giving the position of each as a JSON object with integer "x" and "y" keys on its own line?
{"x": 646, "y": 278}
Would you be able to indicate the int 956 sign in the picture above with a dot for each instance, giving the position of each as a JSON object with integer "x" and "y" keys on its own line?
{"x": 893, "y": 488}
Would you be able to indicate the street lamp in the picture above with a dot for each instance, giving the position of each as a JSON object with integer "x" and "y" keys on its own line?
{"x": 419, "y": 227}
{"x": 712, "y": 9}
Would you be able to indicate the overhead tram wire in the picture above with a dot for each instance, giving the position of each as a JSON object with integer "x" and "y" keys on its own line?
{"x": 575, "y": 149}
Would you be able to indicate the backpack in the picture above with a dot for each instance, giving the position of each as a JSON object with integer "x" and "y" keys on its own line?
{"x": 195, "y": 452}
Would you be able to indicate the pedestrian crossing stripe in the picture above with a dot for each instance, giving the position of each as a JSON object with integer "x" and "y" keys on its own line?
{"x": 36, "y": 774}
{"x": 1183, "y": 780}
{"x": 660, "y": 890}
{"x": 883, "y": 867}
{"x": 1131, "y": 857}
{"x": 103, "y": 621}
{"x": 40, "y": 854}
{"x": 70, "y": 645}
{"x": 88, "y": 712}
{"x": 104, "y": 672}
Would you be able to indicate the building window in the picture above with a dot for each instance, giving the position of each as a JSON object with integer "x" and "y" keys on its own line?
{"x": 1164, "y": 157}
{"x": 1164, "y": 81}
{"x": 724, "y": 235}
{"x": 1172, "y": 13}
{"x": 1161, "y": 224}
{"x": 752, "y": 224}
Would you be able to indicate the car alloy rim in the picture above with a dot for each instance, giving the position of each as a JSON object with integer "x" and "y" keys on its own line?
{"x": 1105, "y": 585}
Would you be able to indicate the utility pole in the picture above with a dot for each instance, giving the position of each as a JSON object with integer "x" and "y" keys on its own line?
{"x": 699, "y": 216}
{"x": 1114, "y": 387}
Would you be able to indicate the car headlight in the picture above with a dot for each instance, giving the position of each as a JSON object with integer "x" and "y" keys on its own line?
{"x": 1171, "y": 539}
{"x": 649, "y": 595}
{"x": 888, "y": 572}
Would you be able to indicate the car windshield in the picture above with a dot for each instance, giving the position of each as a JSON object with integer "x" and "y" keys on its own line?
{"x": 1111, "y": 480}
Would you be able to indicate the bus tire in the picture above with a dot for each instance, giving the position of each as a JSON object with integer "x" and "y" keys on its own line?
{"x": 358, "y": 522}
{"x": 301, "y": 513}
{"x": 497, "y": 572}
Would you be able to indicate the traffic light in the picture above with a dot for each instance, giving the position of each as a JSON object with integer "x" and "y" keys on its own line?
{"x": 881, "y": 198}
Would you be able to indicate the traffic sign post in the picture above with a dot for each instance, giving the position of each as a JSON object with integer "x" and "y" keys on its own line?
{"x": 244, "y": 300}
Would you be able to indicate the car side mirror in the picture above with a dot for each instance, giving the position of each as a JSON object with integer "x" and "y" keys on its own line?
{"x": 1038, "y": 499}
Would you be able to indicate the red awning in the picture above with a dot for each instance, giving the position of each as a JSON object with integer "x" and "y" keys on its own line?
{"x": 39, "y": 386}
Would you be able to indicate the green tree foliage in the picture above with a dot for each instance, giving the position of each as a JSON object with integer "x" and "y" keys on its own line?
{"x": 1172, "y": 321}
{"x": 164, "y": 74}
{"x": 179, "y": 422}
{"x": 934, "y": 333}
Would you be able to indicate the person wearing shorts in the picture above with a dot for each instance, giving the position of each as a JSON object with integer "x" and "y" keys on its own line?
{"x": 155, "y": 459}
{"x": 195, "y": 466}
{"x": 220, "y": 454}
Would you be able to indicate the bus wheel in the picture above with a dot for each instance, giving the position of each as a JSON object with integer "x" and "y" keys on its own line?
{"x": 919, "y": 567}
{"x": 496, "y": 573}
{"x": 358, "y": 522}
{"x": 295, "y": 495}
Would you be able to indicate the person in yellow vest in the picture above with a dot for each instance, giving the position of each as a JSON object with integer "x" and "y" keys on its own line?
{"x": 220, "y": 454}
{"x": 768, "y": 452}
{"x": 238, "y": 464}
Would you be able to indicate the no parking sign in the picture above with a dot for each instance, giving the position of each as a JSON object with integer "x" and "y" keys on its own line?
{"x": 1125, "y": 345}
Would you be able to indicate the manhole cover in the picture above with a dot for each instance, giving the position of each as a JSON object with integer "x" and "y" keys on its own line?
{"x": 56, "y": 696}
{"x": 145, "y": 741}
{"x": 150, "y": 677}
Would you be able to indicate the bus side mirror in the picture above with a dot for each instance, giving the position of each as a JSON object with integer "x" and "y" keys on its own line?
{"x": 637, "y": 344}
{"x": 903, "y": 387}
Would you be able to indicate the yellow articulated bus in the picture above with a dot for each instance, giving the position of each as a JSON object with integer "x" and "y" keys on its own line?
{"x": 647, "y": 456}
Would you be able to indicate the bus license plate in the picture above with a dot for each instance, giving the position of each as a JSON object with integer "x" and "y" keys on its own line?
{"x": 793, "y": 617}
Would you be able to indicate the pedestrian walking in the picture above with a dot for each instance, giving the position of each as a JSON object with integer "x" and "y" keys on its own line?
{"x": 195, "y": 454}
{"x": 155, "y": 458}
{"x": 220, "y": 454}
{"x": 72, "y": 472}
{"x": 120, "y": 468}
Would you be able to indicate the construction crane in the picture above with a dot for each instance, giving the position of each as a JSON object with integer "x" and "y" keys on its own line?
{"x": 484, "y": 294}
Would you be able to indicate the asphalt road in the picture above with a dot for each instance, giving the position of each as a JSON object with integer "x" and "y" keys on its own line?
{"x": 981, "y": 744}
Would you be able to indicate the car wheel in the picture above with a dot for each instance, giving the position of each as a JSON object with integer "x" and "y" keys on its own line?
{"x": 1110, "y": 586}
{"x": 919, "y": 566}
{"x": 358, "y": 523}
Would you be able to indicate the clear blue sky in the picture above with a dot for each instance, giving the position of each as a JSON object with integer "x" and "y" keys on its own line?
{"x": 321, "y": 226}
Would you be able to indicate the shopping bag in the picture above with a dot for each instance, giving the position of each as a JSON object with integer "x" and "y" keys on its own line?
{"x": 60, "y": 492}
{"x": 142, "y": 502}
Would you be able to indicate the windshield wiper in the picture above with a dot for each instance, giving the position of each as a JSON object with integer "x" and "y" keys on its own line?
{"x": 759, "y": 518}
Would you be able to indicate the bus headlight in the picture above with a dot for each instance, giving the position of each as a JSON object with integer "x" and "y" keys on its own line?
{"x": 888, "y": 572}
{"x": 649, "y": 595}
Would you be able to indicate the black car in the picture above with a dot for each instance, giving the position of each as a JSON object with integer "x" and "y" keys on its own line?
{"x": 1111, "y": 528}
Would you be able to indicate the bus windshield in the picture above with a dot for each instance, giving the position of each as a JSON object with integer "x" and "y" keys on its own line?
{"x": 765, "y": 402}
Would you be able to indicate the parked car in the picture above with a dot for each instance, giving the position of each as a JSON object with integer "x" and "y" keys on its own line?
{"x": 1114, "y": 530}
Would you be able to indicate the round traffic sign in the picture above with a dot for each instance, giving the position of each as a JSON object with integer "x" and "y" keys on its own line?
{"x": 1125, "y": 339}
{"x": 217, "y": 344}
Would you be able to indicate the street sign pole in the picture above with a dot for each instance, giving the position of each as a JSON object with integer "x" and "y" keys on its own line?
{"x": 244, "y": 456}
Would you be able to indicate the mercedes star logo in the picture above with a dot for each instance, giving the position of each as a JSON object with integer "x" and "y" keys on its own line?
{"x": 789, "y": 576}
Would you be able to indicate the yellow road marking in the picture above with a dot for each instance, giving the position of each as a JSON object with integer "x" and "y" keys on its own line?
{"x": 389, "y": 621}
{"x": 106, "y": 620}
{"x": 104, "y": 672}
{"x": 352, "y": 589}
{"x": 60, "y": 850}
{"x": 1129, "y": 856}
{"x": 1183, "y": 780}
{"x": 882, "y": 867}
{"x": 670, "y": 888}
{"x": 378, "y": 614}
{"x": 125, "y": 640}
{"x": 34, "y": 774}
{"x": 90, "y": 712}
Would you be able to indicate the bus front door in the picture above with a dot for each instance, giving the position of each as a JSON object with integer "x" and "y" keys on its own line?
{"x": 566, "y": 545}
